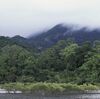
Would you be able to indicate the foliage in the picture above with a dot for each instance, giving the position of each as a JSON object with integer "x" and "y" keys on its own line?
{"x": 65, "y": 62}
{"x": 49, "y": 88}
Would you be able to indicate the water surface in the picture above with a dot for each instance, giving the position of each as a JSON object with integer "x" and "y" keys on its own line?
{"x": 69, "y": 96}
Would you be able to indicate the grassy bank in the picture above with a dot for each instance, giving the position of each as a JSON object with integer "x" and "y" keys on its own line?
{"x": 48, "y": 87}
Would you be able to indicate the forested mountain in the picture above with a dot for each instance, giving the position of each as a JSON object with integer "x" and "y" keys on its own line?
{"x": 18, "y": 40}
{"x": 59, "y": 32}
{"x": 62, "y": 32}
{"x": 64, "y": 61}
{"x": 4, "y": 41}
{"x": 10, "y": 41}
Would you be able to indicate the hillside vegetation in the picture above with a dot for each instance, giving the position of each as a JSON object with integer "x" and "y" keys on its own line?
{"x": 64, "y": 62}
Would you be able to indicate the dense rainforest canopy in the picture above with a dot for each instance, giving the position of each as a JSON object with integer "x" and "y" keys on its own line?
{"x": 64, "y": 62}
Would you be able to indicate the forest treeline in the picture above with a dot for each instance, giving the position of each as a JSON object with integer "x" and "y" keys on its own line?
{"x": 64, "y": 62}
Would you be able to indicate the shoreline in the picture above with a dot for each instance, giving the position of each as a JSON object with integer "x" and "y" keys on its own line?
{"x": 43, "y": 94}
{"x": 48, "y": 88}
{"x": 4, "y": 91}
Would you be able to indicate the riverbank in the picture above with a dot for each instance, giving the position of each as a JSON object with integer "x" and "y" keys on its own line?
{"x": 50, "y": 88}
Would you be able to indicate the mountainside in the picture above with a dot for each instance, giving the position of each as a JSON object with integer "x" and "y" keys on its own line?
{"x": 49, "y": 38}
{"x": 20, "y": 40}
{"x": 16, "y": 40}
{"x": 62, "y": 32}
{"x": 5, "y": 41}
{"x": 21, "y": 59}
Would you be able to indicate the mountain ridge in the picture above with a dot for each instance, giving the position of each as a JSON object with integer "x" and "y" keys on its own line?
{"x": 62, "y": 32}
{"x": 59, "y": 32}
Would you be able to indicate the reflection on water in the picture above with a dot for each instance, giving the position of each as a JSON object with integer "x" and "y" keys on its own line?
{"x": 70, "y": 96}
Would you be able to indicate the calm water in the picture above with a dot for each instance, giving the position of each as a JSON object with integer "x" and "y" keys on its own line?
{"x": 29, "y": 96}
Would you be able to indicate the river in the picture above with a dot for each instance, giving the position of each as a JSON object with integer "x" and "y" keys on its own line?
{"x": 69, "y": 96}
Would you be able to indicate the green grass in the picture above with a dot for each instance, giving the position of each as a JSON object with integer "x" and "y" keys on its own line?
{"x": 48, "y": 87}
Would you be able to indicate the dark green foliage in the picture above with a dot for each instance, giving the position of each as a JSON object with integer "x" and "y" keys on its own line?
{"x": 15, "y": 62}
{"x": 65, "y": 62}
{"x": 4, "y": 41}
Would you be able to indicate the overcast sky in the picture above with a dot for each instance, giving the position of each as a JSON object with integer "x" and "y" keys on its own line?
{"x": 24, "y": 17}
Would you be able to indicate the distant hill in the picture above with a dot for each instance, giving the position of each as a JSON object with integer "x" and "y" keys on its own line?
{"x": 62, "y": 32}
{"x": 5, "y": 41}
{"x": 49, "y": 38}
{"x": 16, "y": 40}
{"x": 20, "y": 40}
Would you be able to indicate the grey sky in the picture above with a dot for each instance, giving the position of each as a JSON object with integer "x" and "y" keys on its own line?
{"x": 24, "y": 17}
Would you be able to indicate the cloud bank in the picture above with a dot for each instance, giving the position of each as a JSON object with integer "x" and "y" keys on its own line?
{"x": 23, "y": 17}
